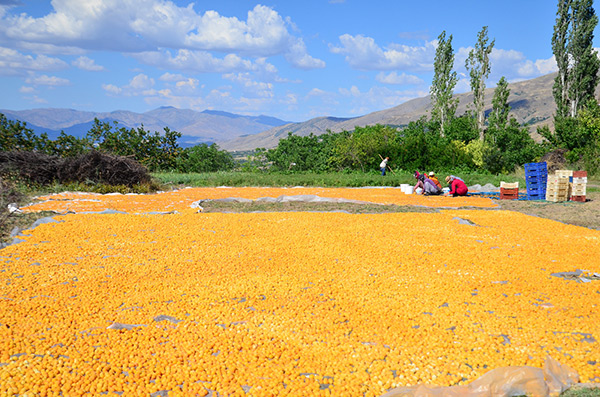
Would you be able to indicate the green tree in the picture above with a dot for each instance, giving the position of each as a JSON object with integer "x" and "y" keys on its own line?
{"x": 509, "y": 147}
{"x": 421, "y": 147}
{"x": 362, "y": 148}
{"x": 300, "y": 153}
{"x": 68, "y": 146}
{"x": 15, "y": 136}
{"x": 589, "y": 127}
{"x": 155, "y": 151}
{"x": 561, "y": 55}
{"x": 478, "y": 65}
{"x": 463, "y": 129}
{"x": 204, "y": 158}
{"x": 498, "y": 117}
{"x": 442, "y": 86}
{"x": 507, "y": 144}
{"x": 577, "y": 61}
{"x": 584, "y": 72}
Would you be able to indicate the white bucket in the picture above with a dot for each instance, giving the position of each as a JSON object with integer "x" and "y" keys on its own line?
{"x": 409, "y": 190}
{"x": 403, "y": 187}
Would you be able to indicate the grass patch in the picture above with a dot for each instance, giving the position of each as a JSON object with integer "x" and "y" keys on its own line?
{"x": 332, "y": 179}
{"x": 352, "y": 208}
{"x": 582, "y": 392}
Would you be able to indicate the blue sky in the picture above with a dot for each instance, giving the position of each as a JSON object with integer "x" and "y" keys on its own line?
{"x": 290, "y": 59}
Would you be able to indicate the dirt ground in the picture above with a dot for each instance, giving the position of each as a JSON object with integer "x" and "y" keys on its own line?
{"x": 574, "y": 213}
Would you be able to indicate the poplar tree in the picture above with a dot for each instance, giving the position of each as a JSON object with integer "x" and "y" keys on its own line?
{"x": 478, "y": 65}
{"x": 442, "y": 86}
{"x": 584, "y": 72}
{"x": 498, "y": 117}
{"x": 561, "y": 55}
{"x": 576, "y": 59}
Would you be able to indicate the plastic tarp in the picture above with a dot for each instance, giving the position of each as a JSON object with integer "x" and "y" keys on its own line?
{"x": 551, "y": 380}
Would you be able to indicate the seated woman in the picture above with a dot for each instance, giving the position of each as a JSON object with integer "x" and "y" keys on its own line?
{"x": 434, "y": 179}
{"x": 428, "y": 186}
{"x": 457, "y": 186}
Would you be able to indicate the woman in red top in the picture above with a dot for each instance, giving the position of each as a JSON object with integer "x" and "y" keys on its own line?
{"x": 457, "y": 187}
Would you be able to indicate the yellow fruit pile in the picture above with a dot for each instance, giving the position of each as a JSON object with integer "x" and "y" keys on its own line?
{"x": 181, "y": 199}
{"x": 291, "y": 303}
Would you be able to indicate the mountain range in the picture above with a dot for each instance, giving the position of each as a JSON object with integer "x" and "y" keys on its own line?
{"x": 531, "y": 101}
{"x": 196, "y": 127}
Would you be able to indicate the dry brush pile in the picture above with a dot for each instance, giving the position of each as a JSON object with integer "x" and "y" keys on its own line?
{"x": 291, "y": 303}
{"x": 90, "y": 167}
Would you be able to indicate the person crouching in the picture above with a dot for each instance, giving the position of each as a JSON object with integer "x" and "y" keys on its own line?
{"x": 427, "y": 185}
{"x": 457, "y": 186}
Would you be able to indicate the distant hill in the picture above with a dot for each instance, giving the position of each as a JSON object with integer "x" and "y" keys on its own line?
{"x": 531, "y": 102}
{"x": 196, "y": 127}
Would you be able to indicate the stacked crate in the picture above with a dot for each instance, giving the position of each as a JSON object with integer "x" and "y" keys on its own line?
{"x": 578, "y": 186}
{"x": 509, "y": 191}
{"x": 536, "y": 176}
{"x": 557, "y": 188}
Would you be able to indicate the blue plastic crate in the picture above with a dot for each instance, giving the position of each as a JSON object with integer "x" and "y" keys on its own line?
{"x": 536, "y": 166}
{"x": 536, "y": 184}
{"x": 538, "y": 196}
{"x": 536, "y": 193}
{"x": 536, "y": 174}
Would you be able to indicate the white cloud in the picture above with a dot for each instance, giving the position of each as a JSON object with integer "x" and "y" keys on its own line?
{"x": 139, "y": 85}
{"x": 316, "y": 92}
{"x": 298, "y": 57}
{"x": 26, "y": 90}
{"x": 251, "y": 87}
{"x": 15, "y": 63}
{"x": 515, "y": 66}
{"x": 395, "y": 78}
{"x": 88, "y": 64}
{"x": 194, "y": 61}
{"x": 37, "y": 99}
{"x": 141, "y": 82}
{"x": 361, "y": 52}
{"x": 377, "y": 98}
{"x": 112, "y": 89}
{"x": 51, "y": 81}
{"x": 154, "y": 25}
{"x": 172, "y": 77}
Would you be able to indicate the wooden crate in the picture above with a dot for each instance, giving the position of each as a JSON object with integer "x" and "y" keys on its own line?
{"x": 564, "y": 173}
{"x": 555, "y": 199}
{"x": 578, "y": 190}
{"x": 557, "y": 180}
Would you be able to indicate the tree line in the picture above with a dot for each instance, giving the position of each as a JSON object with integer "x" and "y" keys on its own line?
{"x": 156, "y": 151}
{"x": 495, "y": 142}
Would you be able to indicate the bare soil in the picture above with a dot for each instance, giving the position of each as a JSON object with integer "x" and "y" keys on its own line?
{"x": 571, "y": 212}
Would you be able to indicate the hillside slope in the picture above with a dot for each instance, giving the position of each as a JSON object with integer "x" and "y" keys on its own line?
{"x": 531, "y": 102}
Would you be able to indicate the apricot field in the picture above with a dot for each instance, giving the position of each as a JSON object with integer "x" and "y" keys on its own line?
{"x": 289, "y": 303}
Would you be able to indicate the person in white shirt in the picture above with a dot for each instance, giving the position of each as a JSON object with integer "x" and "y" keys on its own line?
{"x": 383, "y": 165}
